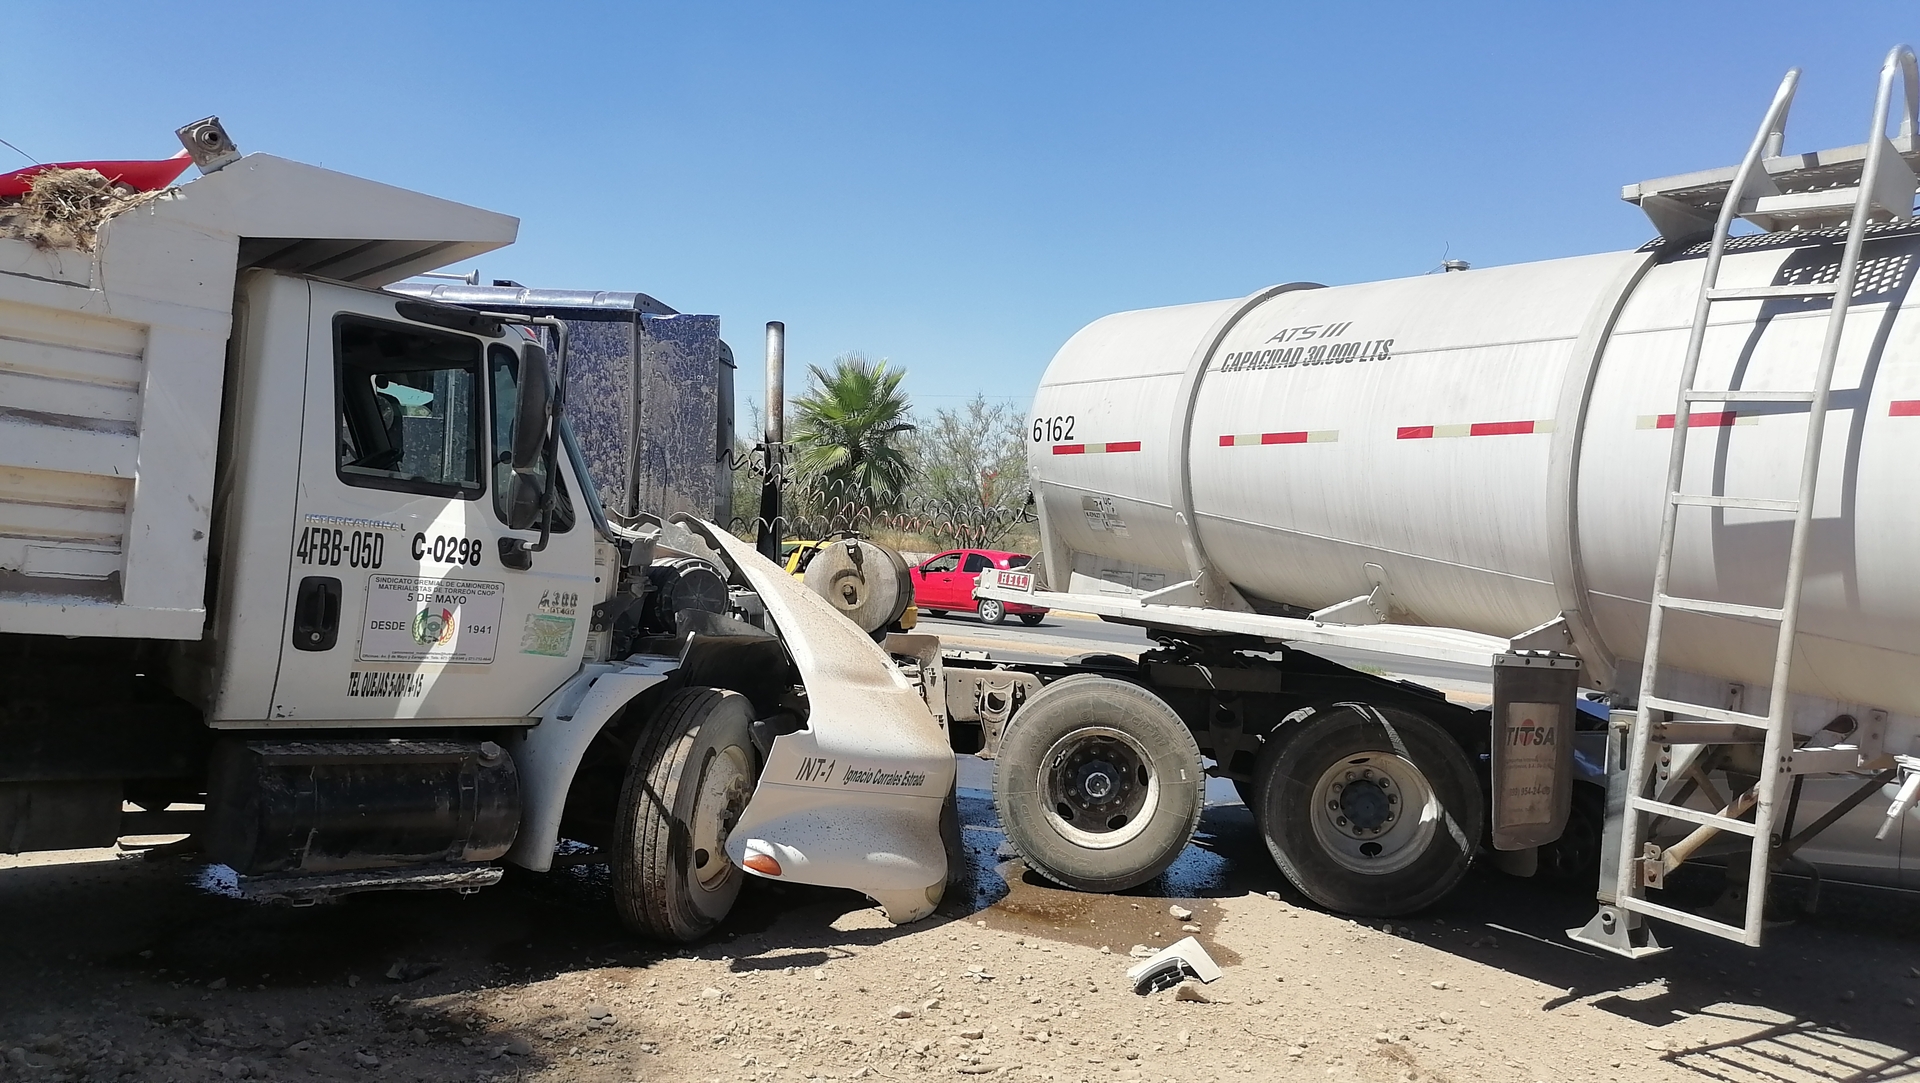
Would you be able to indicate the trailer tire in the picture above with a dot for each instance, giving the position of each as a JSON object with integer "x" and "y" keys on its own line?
{"x": 1572, "y": 861}
{"x": 1249, "y": 796}
{"x": 692, "y": 771}
{"x": 1334, "y": 790}
{"x": 1098, "y": 783}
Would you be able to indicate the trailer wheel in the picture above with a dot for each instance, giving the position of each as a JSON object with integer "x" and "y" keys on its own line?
{"x": 1368, "y": 810}
{"x": 991, "y": 611}
{"x": 692, "y": 771}
{"x": 1573, "y": 860}
{"x": 1249, "y": 796}
{"x": 1098, "y": 784}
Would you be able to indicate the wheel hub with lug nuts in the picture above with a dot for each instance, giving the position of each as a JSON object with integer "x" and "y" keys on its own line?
{"x": 1364, "y": 802}
{"x": 1374, "y": 812}
{"x": 1099, "y": 786}
{"x": 725, "y": 785}
{"x": 1097, "y": 783}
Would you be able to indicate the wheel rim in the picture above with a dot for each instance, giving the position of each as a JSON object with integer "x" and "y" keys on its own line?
{"x": 990, "y": 611}
{"x": 726, "y": 782}
{"x": 1374, "y": 812}
{"x": 1100, "y": 787}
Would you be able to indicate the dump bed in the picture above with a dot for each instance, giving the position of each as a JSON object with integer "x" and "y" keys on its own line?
{"x": 112, "y": 364}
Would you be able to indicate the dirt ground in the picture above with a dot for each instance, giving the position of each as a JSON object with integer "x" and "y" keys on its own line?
{"x": 118, "y": 966}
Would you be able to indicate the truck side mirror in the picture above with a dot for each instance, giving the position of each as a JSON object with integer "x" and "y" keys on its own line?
{"x": 524, "y": 502}
{"x": 533, "y": 407}
{"x": 533, "y": 410}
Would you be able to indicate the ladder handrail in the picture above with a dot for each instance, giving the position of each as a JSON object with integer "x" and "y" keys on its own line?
{"x": 1849, "y": 270}
{"x": 1771, "y": 128}
{"x": 1884, "y": 174}
{"x": 1901, "y": 55}
{"x": 1767, "y": 142}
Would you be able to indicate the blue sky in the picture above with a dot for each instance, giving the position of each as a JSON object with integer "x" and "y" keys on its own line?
{"x": 959, "y": 187}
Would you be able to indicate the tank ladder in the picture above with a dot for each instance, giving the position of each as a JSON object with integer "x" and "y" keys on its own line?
{"x": 1811, "y": 191}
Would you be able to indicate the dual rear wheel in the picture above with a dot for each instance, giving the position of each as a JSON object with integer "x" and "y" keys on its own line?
{"x": 1366, "y": 810}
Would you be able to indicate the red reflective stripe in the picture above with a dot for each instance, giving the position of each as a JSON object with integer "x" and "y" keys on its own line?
{"x": 1710, "y": 419}
{"x": 1415, "y": 432}
{"x": 1226, "y": 441}
{"x": 1069, "y": 449}
{"x": 1905, "y": 408}
{"x": 1501, "y": 428}
{"x": 1124, "y": 445}
{"x": 1283, "y": 437}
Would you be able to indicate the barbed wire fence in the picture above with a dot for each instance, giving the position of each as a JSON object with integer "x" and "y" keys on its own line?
{"x": 813, "y": 506}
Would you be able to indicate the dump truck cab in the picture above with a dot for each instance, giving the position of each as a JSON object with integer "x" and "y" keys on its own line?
{"x": 370, "y": 561}
{"x": 327, "y": 559}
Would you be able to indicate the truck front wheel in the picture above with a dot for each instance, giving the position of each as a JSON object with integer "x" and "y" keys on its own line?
{"x": 692, "y": 771}
{"x": 1098, "y": 783}
{"x": 1368, "y": 810}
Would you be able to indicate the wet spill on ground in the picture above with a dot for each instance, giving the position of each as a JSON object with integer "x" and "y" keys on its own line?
{"x": 1001, "y": 891}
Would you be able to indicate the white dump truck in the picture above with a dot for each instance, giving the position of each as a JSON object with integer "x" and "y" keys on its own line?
{"x": 326, "y": 559}
{"x": 1680, "y": 477}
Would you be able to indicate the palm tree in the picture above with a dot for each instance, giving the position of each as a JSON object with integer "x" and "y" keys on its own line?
{"x": 844, "y": 431}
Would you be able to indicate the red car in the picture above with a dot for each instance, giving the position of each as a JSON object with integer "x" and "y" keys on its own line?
{"x": 946, "y": 582}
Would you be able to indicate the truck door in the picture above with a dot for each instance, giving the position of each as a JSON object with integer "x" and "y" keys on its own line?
{"x": 399, "y": 607}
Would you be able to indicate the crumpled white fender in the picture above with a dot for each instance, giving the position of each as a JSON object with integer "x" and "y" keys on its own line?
{"x": 853, "y": 800}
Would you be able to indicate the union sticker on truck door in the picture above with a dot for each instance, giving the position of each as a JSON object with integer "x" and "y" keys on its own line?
{"x": 430, "y": 620}
{"x": 545, "y": 634}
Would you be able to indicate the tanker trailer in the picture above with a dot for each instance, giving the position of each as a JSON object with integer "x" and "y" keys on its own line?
{"x": 1679, "y": 476}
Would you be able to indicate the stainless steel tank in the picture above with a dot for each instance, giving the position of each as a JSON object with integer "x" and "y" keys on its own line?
{"x": 1491, "y": 446}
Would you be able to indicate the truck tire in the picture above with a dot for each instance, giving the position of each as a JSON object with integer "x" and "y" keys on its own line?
{"x": 1098, "y": 784}
{"x": 692, "y": 771}
{"x": 991, "y": 611}
{"x": 1368, "y": 810}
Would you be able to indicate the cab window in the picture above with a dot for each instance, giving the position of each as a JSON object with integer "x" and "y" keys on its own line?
{"x": 976, "y": 562}
{"x": 504, "y": 366}
{"x": 408, "y": 408}
{"x": 945, "y": 562}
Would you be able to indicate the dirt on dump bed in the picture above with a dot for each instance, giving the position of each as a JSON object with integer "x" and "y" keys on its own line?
{"x": 65, "y": 208}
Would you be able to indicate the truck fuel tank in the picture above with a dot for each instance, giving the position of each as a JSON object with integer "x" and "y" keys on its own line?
{"x": 321, "y": 806}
